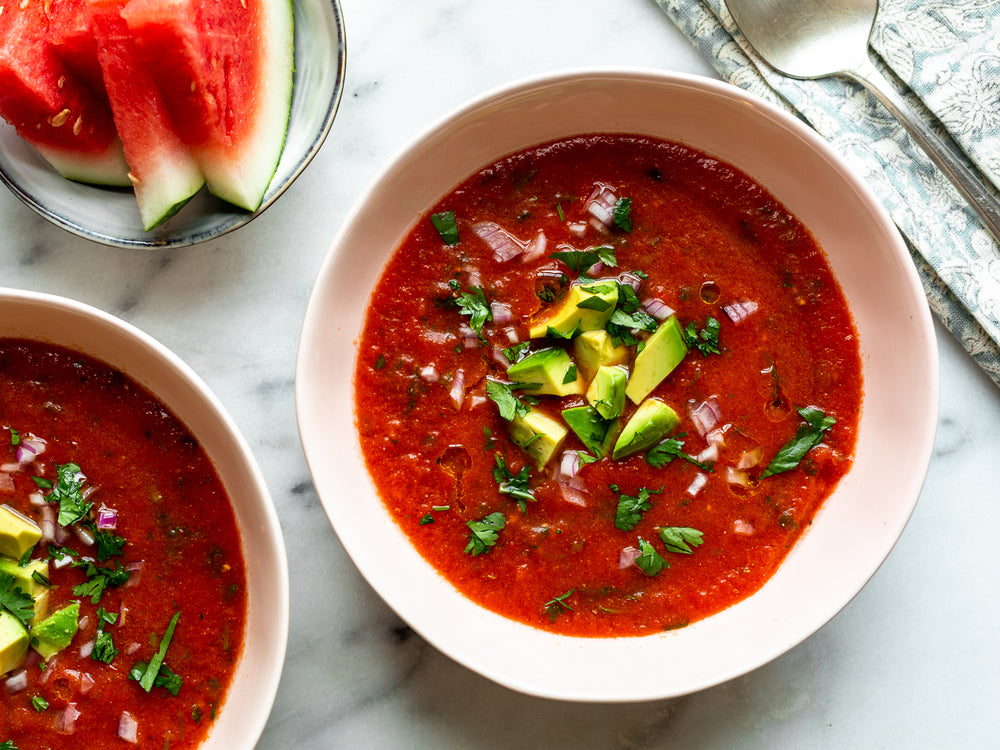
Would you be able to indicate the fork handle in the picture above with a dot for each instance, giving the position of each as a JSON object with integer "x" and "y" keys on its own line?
{"x": 965, "y": 181}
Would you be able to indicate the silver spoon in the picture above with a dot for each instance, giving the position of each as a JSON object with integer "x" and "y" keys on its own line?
{"x": 819, "y": 38}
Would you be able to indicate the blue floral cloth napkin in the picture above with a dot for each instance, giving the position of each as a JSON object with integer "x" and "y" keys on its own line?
{"x": 945, "y": 58}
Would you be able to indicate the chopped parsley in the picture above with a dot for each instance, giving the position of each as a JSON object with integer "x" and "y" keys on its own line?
{"x": 104, "y": 645}
{"x": 581, "y": 260}
{"x": 67, "y": 491}
{"x": 706, "y": 340}
{"x": 156, "y": 673}
{"x": 8, "y": 745}
{"x": 484, "y": 534}
{"x": 99, "y": 579}
{"x": 446, "y": 226}
{"x": 39, "y": 704}
{"x": 502, "y": 394}
{"x": 623, "y": 322}
{"x": 517, "y": 352}
{"x": 515, "y": 485}
{"x": 473, "y": 303}
{"x": 630, "y": 508}
{"x": 649, "y": 559}
{"x": 15, "y": 437}
{"x": 621, "y": 214}
{"x": 14, "y": 600}
{"x": 671, "y": 448}
{"x": 806, "y": 438}
{"x": 680, "y": 539}
{"x": 108, "y": 544}
{"x": 557, "y": 605}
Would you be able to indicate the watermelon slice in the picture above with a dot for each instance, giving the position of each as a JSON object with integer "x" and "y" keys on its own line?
{"x": 162, "y": 170}
{"x": 225, "y": 70}
{"x": 49, "y": 106}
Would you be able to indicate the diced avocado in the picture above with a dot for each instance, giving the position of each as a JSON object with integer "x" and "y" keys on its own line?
{"x": 548, "y": 372}
{"x": 607, "y": 391}
{"x": 595, "y": 348}
{"x": 538, "y": 435}
{"x": 596, "y": 433}
{"x": 650, "y": 422}
{"x": 18, "y": 533}
{"x": 13, "y": 642}
{"x": 587, "y": 307}
{"x": 663, "y": 351}
{"x": 55, "y": 632}
{"x": 24, "y": 579}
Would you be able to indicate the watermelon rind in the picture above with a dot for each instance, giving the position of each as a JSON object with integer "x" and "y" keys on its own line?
{"x": 242, "y": 176}
{"x": 108, "y": 168}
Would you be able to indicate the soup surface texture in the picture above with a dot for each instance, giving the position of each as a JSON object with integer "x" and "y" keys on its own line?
{"x": 534, "y": 491}
{"x": 139, "y": 533}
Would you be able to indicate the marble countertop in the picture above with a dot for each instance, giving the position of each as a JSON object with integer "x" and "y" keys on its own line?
{"x": 912, "y": 662}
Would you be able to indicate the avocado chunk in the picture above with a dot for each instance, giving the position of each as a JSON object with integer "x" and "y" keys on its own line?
{"x": 607, "y": 391}
{"x": 55, "y": 632}
{"x": 591, "y": 349}
{"x": 24, "y": 579}
{"x": 538, "y": 435}
{"x": 663, "y": 351}
{"x": 18, "y": 533}
{"x": 587, "y": 307}
{"x": 13, "y": 642}
{"x": 596, "y": 433}
{"x": 547, "y": 372}
{"x": 650, "y": 422}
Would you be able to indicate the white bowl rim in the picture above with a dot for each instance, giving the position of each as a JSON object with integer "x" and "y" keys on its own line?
{"x": 268, "y": 668}
{"x": 497, "y": 666}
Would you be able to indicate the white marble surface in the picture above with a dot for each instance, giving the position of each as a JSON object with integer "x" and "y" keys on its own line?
{"x": 912, "y": 662}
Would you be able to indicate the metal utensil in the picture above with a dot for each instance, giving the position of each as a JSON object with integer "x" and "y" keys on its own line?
{"x": 818, "y": 38}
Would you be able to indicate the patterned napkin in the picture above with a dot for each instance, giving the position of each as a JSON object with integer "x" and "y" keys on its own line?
{"x": 945, "y": 56}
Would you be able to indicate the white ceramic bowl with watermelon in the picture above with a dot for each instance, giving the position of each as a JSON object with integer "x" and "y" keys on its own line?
{"x": 135, "y": 124}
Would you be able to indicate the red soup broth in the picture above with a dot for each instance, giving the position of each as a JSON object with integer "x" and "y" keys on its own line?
{"x": 182, "y": 551}
{"x": 707, "y": 242}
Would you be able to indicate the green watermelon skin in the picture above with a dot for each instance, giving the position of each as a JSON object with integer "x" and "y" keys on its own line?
{"x": 163, "y": 173}
{"x": 225, "y": 70}
{"x": 49, "y": 106}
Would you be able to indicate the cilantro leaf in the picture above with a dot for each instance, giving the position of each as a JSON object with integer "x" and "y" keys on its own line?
{"x": 515, "y": 485}
{"x": 706, "y": 340}
{"x": 630, "y": 509}
{"x": 517, "y": 352}
{"x": 148, "y": 675}
{"x": 806, "y": 438}
{"x": 108, "y": 544}
{"x": 445, "y": 225}
{"x": 67, "y": 491}
{"x": 104, "y": 645}
{"x": 8, "y": 745}
{"x": 621, "y": 214}
{"x": 99, "y": 579}
{"x": 473, "y": 303}
{"x": 671, "y": 448}
{"x": 484, "y": 533}
{"x": 502, "y": 394}
{"x": 557, "y": 605}
{"x": 14, "y": 600}
{"x": 680, "y": 539}
{"x": 649, "y": 559}
{"x": 38, "y": 703}
{"x": 581, "y": 260}
{"x": 622, "y": 323}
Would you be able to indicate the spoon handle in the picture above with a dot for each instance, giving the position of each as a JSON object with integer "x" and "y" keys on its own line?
{"x": 968, "y": 184}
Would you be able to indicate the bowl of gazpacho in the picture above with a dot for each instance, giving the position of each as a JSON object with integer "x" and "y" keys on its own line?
{"x": 143, "y": 580}
{"x": 601, "y": 381}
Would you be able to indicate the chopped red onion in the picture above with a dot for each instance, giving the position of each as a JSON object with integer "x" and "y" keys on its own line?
{"x": 578, "y": 229}
{"x": 83, "y": 534}
{"x": 717, "y": 436}
{"x": 501, "y": 312}
{"x": 134, "y": 572}
{"x": 62, "y": 561}
{"x": 476, "y": 399}
{"x": 66, "y": 721}
{"x": 132, "y": 648}
{"x": 107, "y": 518}
{"x": 430, "y": 374}
{"x": 600, "y": 205}
{"x": 711, "y": 453}
{"x": 739, "y": 311}
{"x": 500, "y": 358}
{"x": 17, "y": 682}
{"x": 6, "y": 482}
{"x": 11, "y": 467}
{"x": 128, "y": 728}
{"x": 28, "y": 450}
{"x": 536, "y": 248}
{"x": 570, "y": 463}
{"x": 49, "y": 669}
{"x": 750, "y": 458}
{"x": 512, "y": 336}
{"x": 86, "y": 649}
{"x": 657, "y": 308}
{"x": 86, "y": 683}
{"x": 735, "y": 476}
{"x": 628, "y": 557}
{"x": 699, "y": 481}
{"x": 503, "y": 244}
{"x": 84, "y": 622}
{"x": 742, "y": 527}
{"x": 706, "y": 415}
{"x": 37, "y": 499}
{"x": 457, "y": 391}
{"x": 573, "y": 492}
{"x": 631, "y": 279}
{"x": 122, "y": 616}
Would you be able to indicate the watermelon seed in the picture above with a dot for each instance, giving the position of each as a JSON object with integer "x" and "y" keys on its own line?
{"x": 58, "y": 120}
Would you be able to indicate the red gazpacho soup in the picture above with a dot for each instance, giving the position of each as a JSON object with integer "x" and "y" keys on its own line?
{"x": 122, "y": 581}
{"x": 606, "y": 384}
